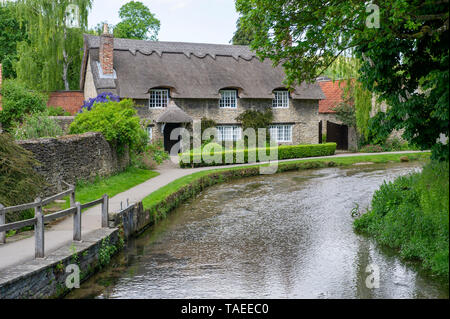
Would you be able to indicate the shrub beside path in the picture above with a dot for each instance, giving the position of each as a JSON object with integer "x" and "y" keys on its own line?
{"x": 17, "y": 252}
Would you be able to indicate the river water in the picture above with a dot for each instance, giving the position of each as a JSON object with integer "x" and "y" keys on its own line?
{"x": 287, "y": 235}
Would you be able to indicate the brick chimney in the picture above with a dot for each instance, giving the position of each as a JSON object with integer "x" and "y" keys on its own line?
{"x": 107, "y": 51}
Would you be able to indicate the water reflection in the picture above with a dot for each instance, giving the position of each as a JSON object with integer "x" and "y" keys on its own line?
{"x": 281, "y": 236}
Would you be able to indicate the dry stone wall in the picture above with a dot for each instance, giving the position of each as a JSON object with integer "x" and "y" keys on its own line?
{"x": 74, "y": 157}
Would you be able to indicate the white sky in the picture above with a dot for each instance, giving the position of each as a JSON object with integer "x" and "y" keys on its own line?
{"x": 203, "y": 21}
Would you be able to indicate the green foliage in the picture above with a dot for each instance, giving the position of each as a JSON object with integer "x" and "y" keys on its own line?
{"x": 105, "y": 252}
{"x": 117, "y": 121}
{"x": 17, "y": 101}
{"x": 412, "y": 215}
{"x": 57, "y": 111}
{"x": 370, "y": 148}
{"x": 87, "y": 191}
{"x": 37, "y": 125}
{"x": 284, "y": 152}
{"x": 345, "y": 113}
{"x": 137, "y": 22}
{"x": 153, "y": 155}
{"x": 51, "y": 59}
{"x": 10, "y": 34}
{"x": 243, "y": 35}
{"x": 256, "y": 119}
{"x": 19, "y": 182}
{"x": 404, "y": 60}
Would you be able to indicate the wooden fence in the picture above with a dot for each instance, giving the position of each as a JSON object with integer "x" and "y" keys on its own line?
{"x": 39, "y": 219}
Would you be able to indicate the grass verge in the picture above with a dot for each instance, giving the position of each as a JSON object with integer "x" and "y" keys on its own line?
{"x": 112, "y": 185}
{"x": 411, "y": 214}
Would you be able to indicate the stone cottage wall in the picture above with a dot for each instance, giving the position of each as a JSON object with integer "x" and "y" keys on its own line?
{"x": 303, "y": 114}
{"x": 74, "y": 157}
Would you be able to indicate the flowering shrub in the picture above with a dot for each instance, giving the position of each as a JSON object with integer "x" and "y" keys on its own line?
{"x": 117, "y": 121}
{"x": 101, "y": 98}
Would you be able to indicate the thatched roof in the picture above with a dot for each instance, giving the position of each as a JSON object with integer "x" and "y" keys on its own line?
{"x": 190, "y": 70}
{"x": 173, "y": 114}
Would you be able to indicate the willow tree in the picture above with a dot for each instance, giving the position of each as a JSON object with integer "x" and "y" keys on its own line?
{"x": 345, "y": 70}
{"x": 51, "y": 58}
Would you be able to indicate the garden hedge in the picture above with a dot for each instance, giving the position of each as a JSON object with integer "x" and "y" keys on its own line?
{"x": 284, "y": 152}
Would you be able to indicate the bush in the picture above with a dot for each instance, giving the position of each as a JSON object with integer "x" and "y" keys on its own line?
{"x": 152, "y": 156}
{"x": 19, "y": 182}
{"x": 371, "y": 149}
{"x": 37, "y": 125}
{"x": 412, "y": 215}
{"x": 284, "y": 152}
{"x": 57, "y": 111}
{"x": 17, "y": 101}
{"x": 117, "y": 121}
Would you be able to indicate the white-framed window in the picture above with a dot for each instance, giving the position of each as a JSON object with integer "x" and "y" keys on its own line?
{"x": 149, "y": 130}
{"x": 229, "y": 133}
{"x": 281, "y": 99}
{"x": 228, "y": 99}
{"x": 159, "y": 98}
{"x": 281, "y": 133}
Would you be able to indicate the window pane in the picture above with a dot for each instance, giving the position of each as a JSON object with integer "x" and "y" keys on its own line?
{"x": 159, "y": 98}
{"x": 228, "y": 99}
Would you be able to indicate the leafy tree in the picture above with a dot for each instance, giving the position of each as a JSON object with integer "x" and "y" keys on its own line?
{"x": 10, "y": 33}
{"x": 17, "y": 101}
{"x": 117, "y": 121}
{"x": 402, "y": 46}
{"x": 137, "y": 22}
{"x": 242, "y": 36}
{"x": 51, "y": 59}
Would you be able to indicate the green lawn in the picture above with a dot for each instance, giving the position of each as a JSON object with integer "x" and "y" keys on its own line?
{"x": 174, "y": 186}
{"x": 113, "y": 185}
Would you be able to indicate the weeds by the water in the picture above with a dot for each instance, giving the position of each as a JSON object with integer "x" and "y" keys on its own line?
{"x": 412, "y": 214}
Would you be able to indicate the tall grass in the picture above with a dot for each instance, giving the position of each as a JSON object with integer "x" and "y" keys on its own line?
{"x": 412, "y": 214}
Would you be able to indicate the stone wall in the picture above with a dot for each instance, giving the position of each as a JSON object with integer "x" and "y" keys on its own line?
{"x": 303, "y": 114}
{"x": 74, "y": 157}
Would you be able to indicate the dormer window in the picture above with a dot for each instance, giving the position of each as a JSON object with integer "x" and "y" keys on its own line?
{"x": 228, "y": 99}
{"x": 281, "y": 99}
{"x": 159, "y": 98}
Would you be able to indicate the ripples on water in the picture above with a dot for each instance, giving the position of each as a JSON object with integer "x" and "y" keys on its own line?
{"x": 275, "y": 236}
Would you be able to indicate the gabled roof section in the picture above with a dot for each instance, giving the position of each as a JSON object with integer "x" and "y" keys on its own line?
{"x": 191, "y": 70}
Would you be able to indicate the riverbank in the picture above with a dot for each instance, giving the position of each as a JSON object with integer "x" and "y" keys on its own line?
{"x": 168, "y": 190}
{"x": 287, "y": 235}
{"x": 411, "y": 214}
{"x": 163, "y": 200}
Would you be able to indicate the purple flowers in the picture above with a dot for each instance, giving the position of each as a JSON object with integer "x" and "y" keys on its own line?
{"x": 101, "y": 98}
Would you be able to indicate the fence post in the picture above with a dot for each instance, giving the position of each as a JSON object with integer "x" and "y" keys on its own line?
{"x": 77, "y": 223}
{"x": 105, "y": 207}
{"x": 39, "y": 230}
{"x": 72, "y": 196}
{"x": 2, "y": 222}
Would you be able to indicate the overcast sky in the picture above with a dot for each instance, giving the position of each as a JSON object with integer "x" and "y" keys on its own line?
{"x": 204, "y": 21}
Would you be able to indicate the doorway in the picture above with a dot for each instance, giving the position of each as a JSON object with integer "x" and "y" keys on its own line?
{"x": 168, "y": 143}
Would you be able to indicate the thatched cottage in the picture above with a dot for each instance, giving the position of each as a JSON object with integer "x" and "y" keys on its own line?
{"x": 176, "y": 83}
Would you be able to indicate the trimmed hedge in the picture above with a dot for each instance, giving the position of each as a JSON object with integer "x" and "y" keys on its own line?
{"x": 284, "y": 152}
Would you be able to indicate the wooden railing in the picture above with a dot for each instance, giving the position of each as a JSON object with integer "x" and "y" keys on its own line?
{"x": 39, "y": 219}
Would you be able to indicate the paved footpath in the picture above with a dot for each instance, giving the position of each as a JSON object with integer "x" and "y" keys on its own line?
{"x": 61, "y": 234}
